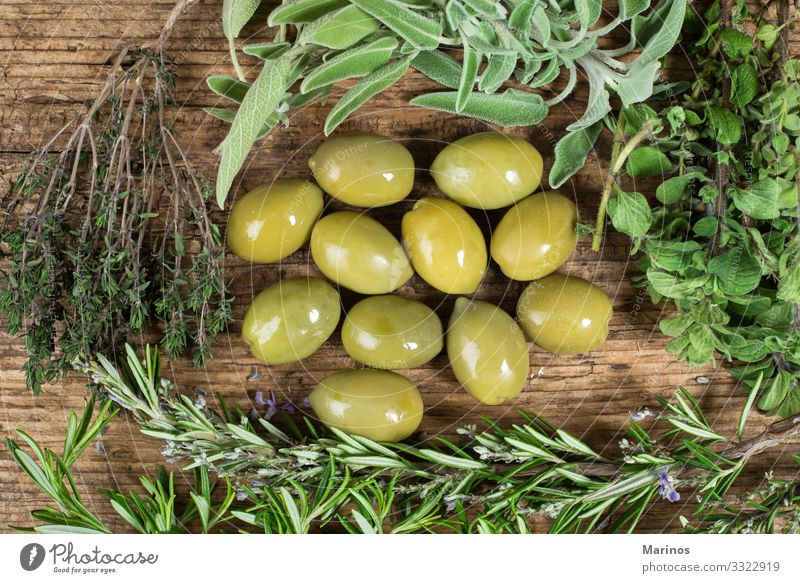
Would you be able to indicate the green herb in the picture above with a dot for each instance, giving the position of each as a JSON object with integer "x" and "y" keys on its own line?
{"x": 722, "y": 241}
{"x": 84, "y": 268}
{"x": 531, "y": 42}
{"x": 289, "y": 475}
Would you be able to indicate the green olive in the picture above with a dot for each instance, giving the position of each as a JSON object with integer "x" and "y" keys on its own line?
{"x": 536, "y": 236}
{"x": 446, "y": 246}
{"x": 291, "y": 319}
{"x": 487, "y": 351}
{"x": 392, "y": 332}
{"x": 364, "y": 170}
{"x": 564, "y": 314}
{"x": 359, "y": 253}
{"x": 377, "y": 404}
{"x": 272, "y": 221}
{"x": 488, "y": 170}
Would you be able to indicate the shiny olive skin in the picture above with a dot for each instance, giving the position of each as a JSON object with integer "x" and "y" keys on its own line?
{"x": 359, "y": 253}
{"x": 445, "y": 245}
{"x": 291, "y": 319}
{"x": 272, "y": 221}
{"x": 377, "y": 404}
{"x": 564, "y": 314}
{"x": 364, "y": 170}
{"x": 536, "y": 236}
{"x": 488, "y": 170}
{"x": 392, "y": 332}
{"x": 487, "y": 351}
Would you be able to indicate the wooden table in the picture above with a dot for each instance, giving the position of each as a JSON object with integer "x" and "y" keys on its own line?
{"x": 53, "y": 56}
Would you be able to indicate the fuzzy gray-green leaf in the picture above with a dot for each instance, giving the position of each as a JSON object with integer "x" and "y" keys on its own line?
{"x": 340, "y": 29}
{"x": 355, "y": 62}
{"x": 302, "y": 11}
{"x": 258, "y": 105}
{"x": 497, "y": 72}
{"x": 235, "y": 14}
{"x": 438, "y": 66}
{"x": 422, "y": 32}
{"x": 509, "y": 109}
{"x": 364, "y": 90}
{"x": 571, "y": 152}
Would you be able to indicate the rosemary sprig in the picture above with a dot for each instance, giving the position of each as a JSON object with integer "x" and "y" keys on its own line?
{"x": 84, "y": 267}
{"x": 525, "y": 46}
{"x": 291, "y": 476}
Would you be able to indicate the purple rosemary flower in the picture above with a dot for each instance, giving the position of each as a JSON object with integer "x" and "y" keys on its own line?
{"x": 270, "y": 403}
{"x": 665, "y": 487}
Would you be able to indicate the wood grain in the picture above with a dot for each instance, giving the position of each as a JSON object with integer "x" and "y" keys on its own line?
{"x": 53, "y": 56}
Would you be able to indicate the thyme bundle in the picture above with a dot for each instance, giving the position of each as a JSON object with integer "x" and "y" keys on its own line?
{"x": 96, "y": 234}
{"x": 722, "y": 240}
{"x": 528, "y": 42}
{"x": 286, "y": 475}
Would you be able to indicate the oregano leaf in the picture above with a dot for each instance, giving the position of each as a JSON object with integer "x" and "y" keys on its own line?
{"x": 647, "y": 161}
{"x": 571, "y": 152}
{"x": 630, "y": 213}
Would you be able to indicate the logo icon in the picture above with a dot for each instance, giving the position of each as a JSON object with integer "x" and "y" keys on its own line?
{"x": 31, "y": 556}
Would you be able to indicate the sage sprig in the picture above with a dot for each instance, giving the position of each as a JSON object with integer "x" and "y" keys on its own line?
{"x": 524, "y": 44}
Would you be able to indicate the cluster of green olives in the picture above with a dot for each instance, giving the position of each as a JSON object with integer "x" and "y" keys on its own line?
{"x": 442, "y": 243}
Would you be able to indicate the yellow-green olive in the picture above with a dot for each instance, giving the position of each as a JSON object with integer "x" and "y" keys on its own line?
{"x": 487, "y": 351}
{"x": 564, "y": 314}
{"x": 445, "y": 245}
{"x": 291, "y": 319}
{"x": 272, "y": 221}
{"x": 377, "y": 404}
{"x": 536, "y": 236}
{"x": 359, "y": 253}
{"x": 364, "y": 170}
{"x": 488, "y": 170}
{"x": 392, "y": 332}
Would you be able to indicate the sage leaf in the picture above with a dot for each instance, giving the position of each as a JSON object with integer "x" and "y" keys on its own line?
{"x": 235, "y": 14}
{"x": 229, "y": 116}
{"x": 760, "y": 201}
{"x": 487, "y": 8}
{"x": 647, "y": 161}
{"x": 421, "y": 31}
{"x": 497, "y": 72}
{"x": 630, "y": 8}
{"x": 302, "y": 11}
{"x": 630, "y": 213}
{"x": 542, "y": 24}
{"x": 508, "y": 109}
{"x": 588, "y": 12}
{"x": 666, "y": 36}
{"x": 438, "y": 66}
{"x": 469, "y": 72}
{"x": 637, "y": 84}
{"x": 355, "y": 62}
{"x": 260, "y": 102}
{"x": 228, "y": 87}
{"x": 571, "y": 152}
{"x": 737, "y": 271}
{"x": 521, "y": 17}
{"x": 266, "y": 50}
{"x": 365, "y": 90}
{"x": 340, "y": 29}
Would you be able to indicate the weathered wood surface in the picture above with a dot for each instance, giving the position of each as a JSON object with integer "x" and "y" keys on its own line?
{"x": 53, "y": 56}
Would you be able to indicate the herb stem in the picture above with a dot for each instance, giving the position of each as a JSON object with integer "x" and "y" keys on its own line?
{"x": 235, "y": 59}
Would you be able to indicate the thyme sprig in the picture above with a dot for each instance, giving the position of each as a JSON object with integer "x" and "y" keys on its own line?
{"x": 525, "y": 46}
{"x": 97, "y": 227}
{"x": 289, "y": 475}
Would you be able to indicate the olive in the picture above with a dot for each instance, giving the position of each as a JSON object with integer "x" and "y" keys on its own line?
{"x": 359, "y": 253}
{"x": 272, "y": 221}
{"x": 488, "y": 170}
{"x": 291, "y": 319}
{"x": 392, "y": 332}
{"x": 445, "y": 245}
{"x": 564, "y": 314}
{"x": 363, "y": 170}
{"x": 487, "y": 351}
{"x": 377, "y": 404}
{"x": 536, "y": 236}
